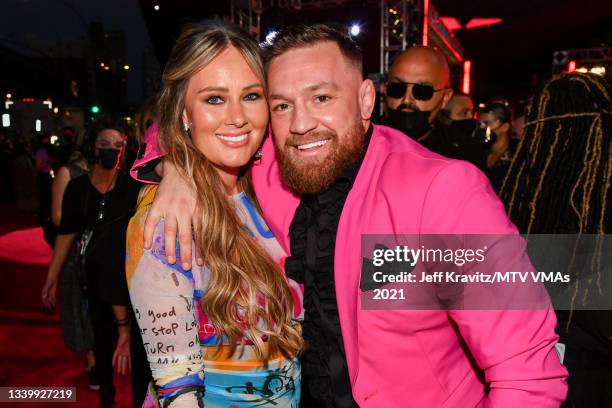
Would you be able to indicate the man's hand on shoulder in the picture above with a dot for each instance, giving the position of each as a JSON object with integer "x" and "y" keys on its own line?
{"x": 175, "y": 202}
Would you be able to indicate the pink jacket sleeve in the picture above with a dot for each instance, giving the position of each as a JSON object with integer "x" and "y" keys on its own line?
{"x": 515, "y": 348}
{"x": 148, "y": 152}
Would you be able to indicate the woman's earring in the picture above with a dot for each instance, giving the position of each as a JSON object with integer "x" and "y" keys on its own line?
{"x": 186, "y": 127}
{"x": 258, "y": 155}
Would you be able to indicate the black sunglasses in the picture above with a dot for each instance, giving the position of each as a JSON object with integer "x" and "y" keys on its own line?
{"x": 420, "y": 92}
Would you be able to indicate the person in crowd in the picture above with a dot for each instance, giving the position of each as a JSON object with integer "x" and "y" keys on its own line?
{"x": 328, "y": 176}
{"x": 5, "y": 141}
{"x": 44, "y": 177}
{"x": 25, "y": 177}
{"x": 421, "y": 104}
{"x": 457, "y": 135}
{"x": 68, "y": 138}
{"x": 231, "y": 337}
{"x": 96, "y": 208}
{"x": 460, "y": 107}
{"x": 497, "y": 116}
{"x": 7, "y": 153}
{"x": 75, "y": 166}
{"x": 559, "y": 183}
{"x": 518, "y": 126}
{"x": 418, "y": 87}
{"x": 43, "y": 156}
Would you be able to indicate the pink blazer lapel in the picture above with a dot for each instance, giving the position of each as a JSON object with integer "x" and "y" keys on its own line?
{"x": 277, "y": 202}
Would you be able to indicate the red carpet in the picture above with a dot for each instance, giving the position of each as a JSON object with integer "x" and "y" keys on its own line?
{"x": 32, "y": 352}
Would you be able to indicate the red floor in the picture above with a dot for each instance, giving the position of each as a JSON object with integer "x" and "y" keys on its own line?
{"x": 32, "y": 352}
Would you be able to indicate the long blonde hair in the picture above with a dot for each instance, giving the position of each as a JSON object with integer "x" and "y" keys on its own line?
{"x": 241, "y": 270}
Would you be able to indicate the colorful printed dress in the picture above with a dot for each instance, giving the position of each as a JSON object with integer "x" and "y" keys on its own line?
{"x": 181, "y": 342}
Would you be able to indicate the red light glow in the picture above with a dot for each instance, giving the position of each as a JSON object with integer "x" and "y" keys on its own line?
{"x": 451, "y": 23}
{"x": 482, "y": 22}
{"x": 425, "y": 22}
{"x": 467, "y": 70}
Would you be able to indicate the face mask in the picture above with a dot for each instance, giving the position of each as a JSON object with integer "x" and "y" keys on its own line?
{"x": 470, "y": 131}
{"x": 108, "y": 158}
{"x": 415, "y": 124}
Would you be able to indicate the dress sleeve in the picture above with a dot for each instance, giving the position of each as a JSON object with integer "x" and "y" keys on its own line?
{"x": 162, "y": 295}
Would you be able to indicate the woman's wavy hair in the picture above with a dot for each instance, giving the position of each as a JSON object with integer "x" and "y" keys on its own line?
{"x": 248, "y": 298}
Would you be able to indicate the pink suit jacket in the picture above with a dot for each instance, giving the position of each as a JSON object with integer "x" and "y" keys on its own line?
{"x": 401, "y": 358}
{"x": 410, "y": 358}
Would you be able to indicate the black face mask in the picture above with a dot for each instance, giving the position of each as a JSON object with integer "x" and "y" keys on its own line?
{"x": 108, "y": 158}
{"x": 69, "y": 140}
{"x": 415, "y": 124}
{"x": 466, "y": 131}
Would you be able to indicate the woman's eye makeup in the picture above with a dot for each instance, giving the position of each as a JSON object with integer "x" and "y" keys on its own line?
{"x": 252, "y": 96}
{"x": 217, "y": 100}
{"x": 214, "y": 100}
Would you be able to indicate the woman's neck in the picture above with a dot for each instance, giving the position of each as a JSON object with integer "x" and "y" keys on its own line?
{"x": 103, "y": 178}
{"x": 229, "y": 178}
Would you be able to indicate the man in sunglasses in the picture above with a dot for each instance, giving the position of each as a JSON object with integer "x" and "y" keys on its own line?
{"x": 417, "y": 89}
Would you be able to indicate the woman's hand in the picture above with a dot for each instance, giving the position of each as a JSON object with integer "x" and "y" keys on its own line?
{"x": 49, "y": 292}
{"x": 122, "y": 360}
{"x": 175, "y": 203}
{"x": 63, "y": 243}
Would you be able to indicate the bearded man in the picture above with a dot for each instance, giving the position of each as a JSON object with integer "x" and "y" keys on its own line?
{"x": 328, "y": 176}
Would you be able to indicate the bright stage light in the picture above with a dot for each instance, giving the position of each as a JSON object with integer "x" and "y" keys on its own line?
{"x": 355, "y": 30}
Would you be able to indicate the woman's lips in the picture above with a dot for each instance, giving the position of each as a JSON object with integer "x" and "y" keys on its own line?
{"x": 234, "y": 140}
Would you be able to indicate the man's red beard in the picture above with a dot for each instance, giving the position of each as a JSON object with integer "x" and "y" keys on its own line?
{"x": 306, "y": 175}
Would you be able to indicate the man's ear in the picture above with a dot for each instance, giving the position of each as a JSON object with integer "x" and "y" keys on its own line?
{"x": 448, "y": 94}
{"x": 367, "y": 99}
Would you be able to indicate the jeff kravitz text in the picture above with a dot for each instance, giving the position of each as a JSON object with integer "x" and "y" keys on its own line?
{"x": 474, "y": 277}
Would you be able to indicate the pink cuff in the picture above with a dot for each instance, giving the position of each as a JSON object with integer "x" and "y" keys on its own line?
{"x": 151, "y": 152}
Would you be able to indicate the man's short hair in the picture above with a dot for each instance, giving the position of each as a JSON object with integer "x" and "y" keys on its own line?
{"x": 306, "y": 35}
{"x": 460, "y": 93}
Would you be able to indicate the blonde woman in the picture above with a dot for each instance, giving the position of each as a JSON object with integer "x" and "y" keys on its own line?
{"x": 224, "y": 334}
